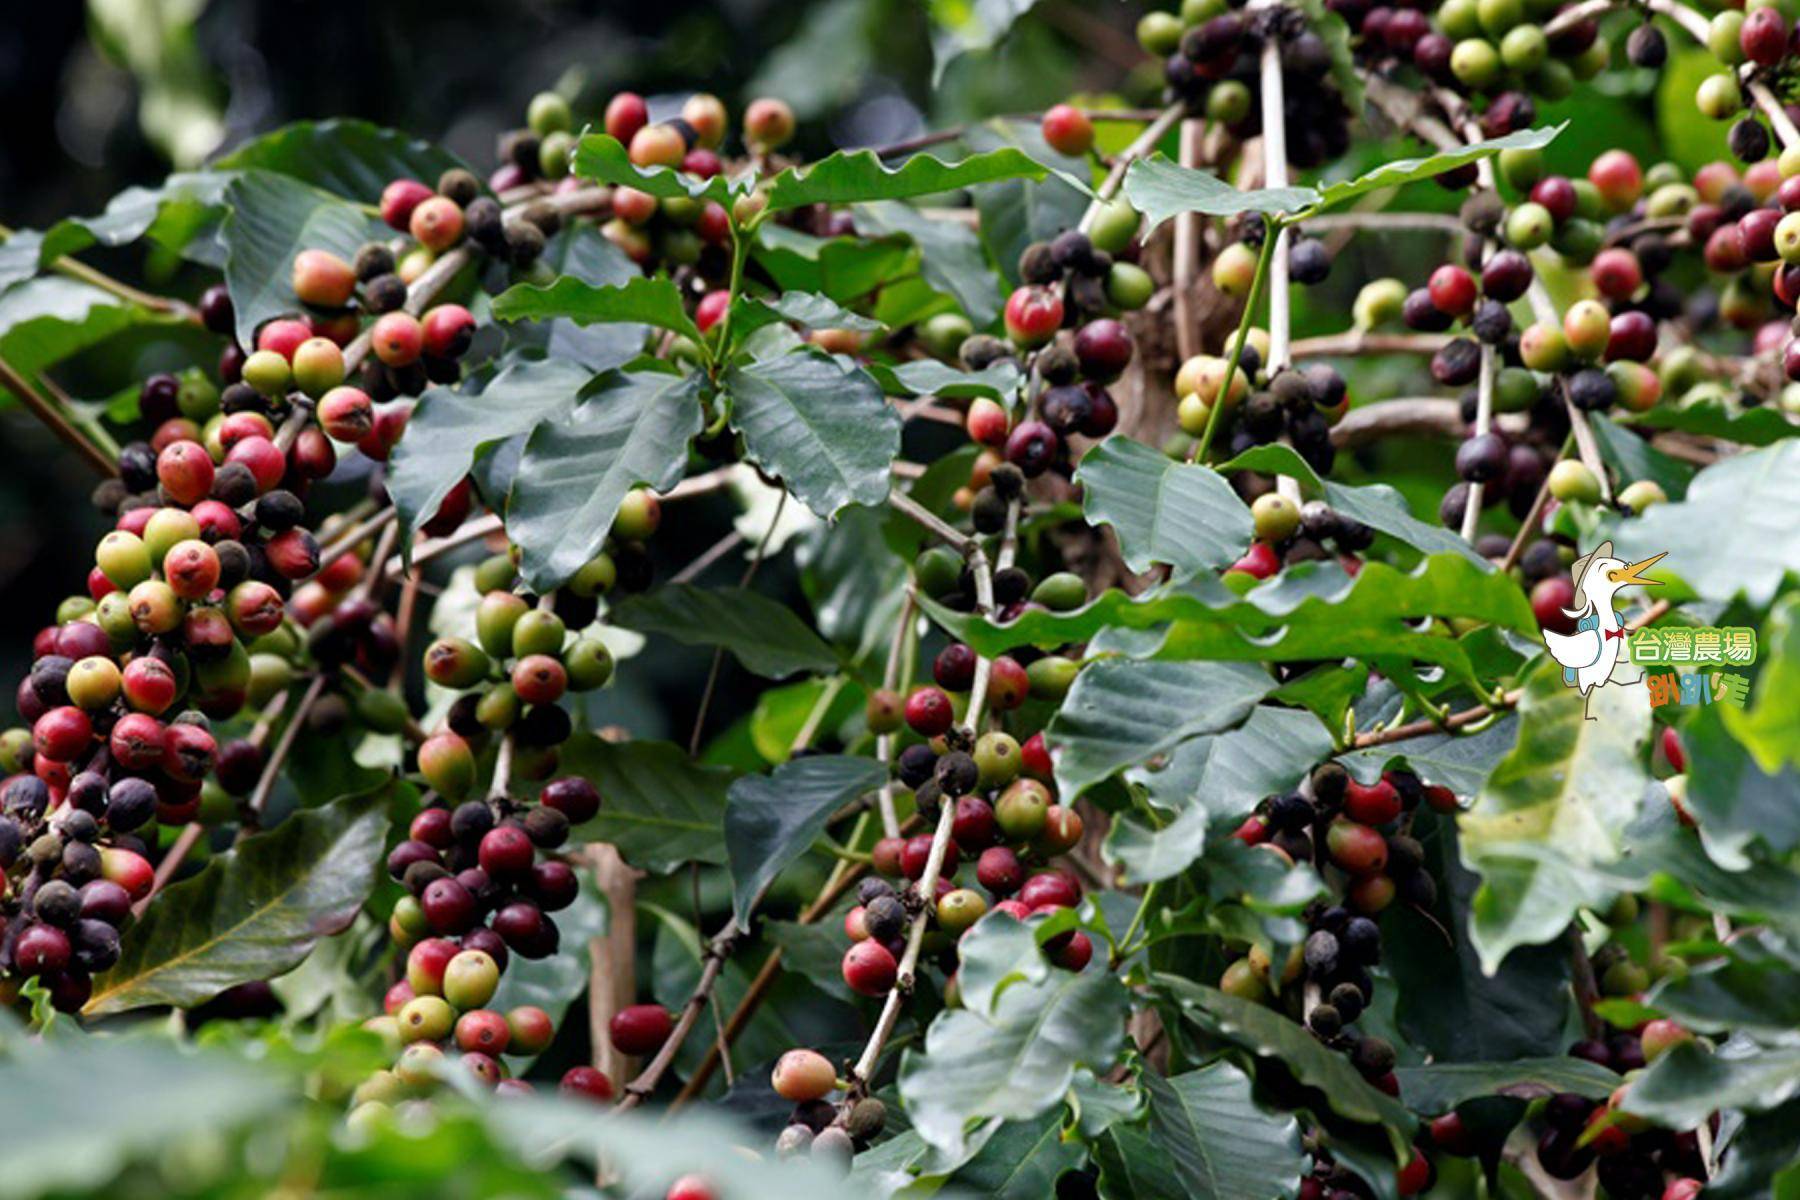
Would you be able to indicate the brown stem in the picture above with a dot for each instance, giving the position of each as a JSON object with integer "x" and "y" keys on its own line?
{"x": 46, "y": 411}
{"x": 259, "y": 797}
{"x": 1353, "y": 342}
{"x": 1587, "y": 990}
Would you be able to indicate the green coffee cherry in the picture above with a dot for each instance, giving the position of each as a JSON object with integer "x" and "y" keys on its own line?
{"x": 1128, "y": 286}
{"x": 1642, "y": 494}
{"x": 1115, "y": 225}
{"x": 498, "y": 708}
{"x": 1276, "y": 517}
{"x": 1570, "y": 480}
{"x": 495, "y": 574}
{"x": 589, "y": 664}
{"x": 539, "y": 631}
{"x": 455, "y": 662}
{"x": 381, "y": 711}
{"x": 997, "y": 758}
{"x": 938, "y": 570}
{"x": 549, "y": 113}
{"x": 1052, "y": 676}
{"x": 495, "y": 618}
{"x": 1062, "y": 591}
{"x": 1159, "y": 33}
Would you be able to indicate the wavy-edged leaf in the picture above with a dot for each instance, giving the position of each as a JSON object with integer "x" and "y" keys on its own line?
{"x": 642, "y": 300}
{"x": 1712, "y": 417}
{"x": 1268, "y": 1034}
{"x": 1764, "y": 1158}
{"x": 1458, "y": 761}
{"x": 1015, "y": 1060}
{"x": 766, "y": 637}
{"x": 274, "y": 217}
{"x": 844, "y": 268}
{"x": 45, "y": 320}
{"x": 1215, "y": 1141}
{"x": 770, "y": 820}
{"x": 1689, "y": 1083}
{"x": 582, "y": 252}
{"x": 1769, "y": 726}
{"x": 1443, "y": 1002}
{"x": 1411, "y": 170}
{"x": 1440, "y": 1087}
{"x": 950, "y": 256}
{"x": 452, "y": 427}
{"x": 1162, "y": 509}
{"x": 659, "y": 808}
{"x": 998, "y": 380}
{"x": 815, "y": 952}
{"x": 171, "y": 214}
{"x": 1376, "y": 505}
{"x": 1732, "y": 534}
{"x": 1161, "y": 189}
{"x": 1569, "y": 787}
{"x": 350, "y": 158}
{"x": 860, "y": 176}
{"x": 600, "y": 157}
{"x": 630, "y": 428}
{"x": 1312, "y": 611}
{"x": 1121, "y": 712}
{"x": 809, "y": 310}
{"x": 253, "y": 913}
{"x": 1671, "y": 863}
{"x": 822, "y": 426}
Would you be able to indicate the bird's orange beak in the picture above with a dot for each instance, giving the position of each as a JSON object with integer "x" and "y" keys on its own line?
{"x": 1635, "y": 572}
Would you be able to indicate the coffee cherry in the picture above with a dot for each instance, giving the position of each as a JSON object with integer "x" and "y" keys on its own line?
{"x": 1662, "y": 1035}
{"x": 586, "y": 1083}
{"x": 1481, "y": 459}
{"x": 928, "y": 711}
{"x": 1033, "y": 314}
{"x": 398, "y": 339}
{"x": 802, "y": 1075}
{"x": 657, "y": 145}
{"x": 322, "y": 279}
{"x": 641, "y": 1029}
{"x": 1355, "y": 847}
{"x": 1275, "y": 518}
{"x": 1374, "y": 804}
{"x": 1104, "y": 349}
{"x": 869, "y": 969}
{"x": 768, "y": 124}
{"x": 1452, "y": 290}
{"x": 470, "y": 979}
{"x": 436, "y": 223}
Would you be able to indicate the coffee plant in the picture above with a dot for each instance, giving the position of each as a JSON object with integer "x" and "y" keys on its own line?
{"x": 1172, "y": 758}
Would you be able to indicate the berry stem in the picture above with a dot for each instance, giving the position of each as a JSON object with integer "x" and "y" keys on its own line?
{"x": 59, "y": 423}
{"x": 1275, "y": 175}
{"x": 350, "y": 538}
{"x": 1355, "y": 341}
{"x": 1125, "y": 947}
{"x": 171, "y": 863}
{"x": 1410, "y": 415}
{"x": 1239, "y": 338}
{"x": 1186, "y": 253}
{"x": 1536, "y": 511}
{"x": 1582, "y": 981}
{"x": 718, "y": 658}
{"x": 259, "y": 797}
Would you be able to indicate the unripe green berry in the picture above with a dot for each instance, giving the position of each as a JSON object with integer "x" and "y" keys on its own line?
{"x": 589, "y": 664}
{"x": 455, "y": 662}
{"x": 1275, "y": 516}
{"x": 381, "y": 711}
{"x": 556, "y": 153}
{"x": 448, "y": 765}
{"x": 470, "y": 980}
{"x": 498, "y": 708}
{"x": 1022, "y": 809}
{"x": 1128, "y": 286}
{"x": 539, "y": 631}
{"x": 168, "y": 528}
{"x": 495, "y": 573}
{"x": 1521, "y": 168}
{"x": 1063, "y": 591}
{"x": 270, "y": 674}
{"x": 426, "y": 1018}
{"x": 549, "y": 113}
{"x": 123, "y": 558}
{"x": 1159, "y": 33}
{"x": 1052, "y": 676}
{"x": 268, "y": 372}
{"x": 1636, "y": 496}
{"x": 937, "y": 571}
{"x": 640, "y": 512}
{"x": 1379, "y": 301}
{"x": 1115, "y": 224}
{"x": 1571, "y": 480}
{"x": 996, "y": 758}
{"x": 960, "y": 909}
{"x": 495, "y": 618}
{"x": 596, "y": 576}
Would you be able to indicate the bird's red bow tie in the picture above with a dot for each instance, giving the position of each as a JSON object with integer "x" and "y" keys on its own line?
{"x": 1614, "y": 633}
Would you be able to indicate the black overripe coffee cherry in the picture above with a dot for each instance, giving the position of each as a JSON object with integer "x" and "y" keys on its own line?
{"x": 1646, "y": 47}
{"x": 1419, "y": 313}
{"x": 1065, "y": 409}
{"x": 1321, "y": 953}
{"x": 1291, "y": 811}
{"x": 1749, "y": 140}
{"x": 916, "y": 765}
{"x": 1072, "y": 251}
{"x": 1038, "y": 266}
{"x": 884, "y": 917}
{"x": 956, "y": 773}
{"x": 1482, "y": 458}
{"x": 1360, "y": 939}
{"x": 1325, "y": 1021}
{"x": 1011, "y": 586}
{"x": 1457, "y": 363}
{"x": 871, "y": 887}
{"x": 1309, "y": 262}
{"x": 988, "y": 511}
{"x": 1262, "y": 417}
{"x": 1007, "y": 480}
{"x": 1374, "y": 1056}
{"x": 1058, "y": 364}
{"x": 1592, "y": 390}
{"x": 982, "y": 350}
{"x": 1294, "y": 390}
{"x": 1347, "y": 998}
{"x": 1492, "y": 323}
{"x": 137, "y": 466}
{"x": 1482, "y": 213}
{"x": 482, "y": 222}
{"x": 384, "y": 294}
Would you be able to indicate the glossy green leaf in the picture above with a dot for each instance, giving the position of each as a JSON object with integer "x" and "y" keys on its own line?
{"x": 1411, "y": 170}
{"x": 1569, "y": 786}
{"x": 274, "y": 217}
{"x": 950, "y": 256}
{"x": 1017, "y": 212}
{"x": 820, "y": 425}
{"x": 1161, "y": 189}
{"x": 1631, "y": 458}
{"x": 1689, "y": 1083}
{"x": 349, "y": 158}
{"x": 1015, "y": 1063}
{"x": 1214, "y": 1138}
{"x": 640, "y": 300}
{"x": 1120, "y": 713}
{"x": 860, "y": 176}
{"x": 1268, "y": 1034}
{"x": 1440, "y": 1087}
{"x": 46, "y": 320}
{"x": 451, "y": 427}
{"x": 809, "y": 310}
{"x": 660, "y": 809}
{"x": 766, "y": 637}
{"x": 770, "y": 820}
{"x": 844, "y": 268}
{"x": 630, "y": 429}
{"x": 1755, "y": 989}
{"x": 1731, "y": 535}
{"x": 1711, "y": 417}
{"x": 999, "y": 380}
{"x": 601, "y": 158}
{"x": 1312, "y": 611}
{"x": 1376, "y": 505}
{"x": 582, "y": 252}
{"x": 1736, "y": 803}
{"x": 1764, "y": 1159}
{"x": 253, "y": 913}
{"x": 1769, "y": 726}
{"x": 1163, "y": 510}
{"x": 172, "y": 214}
{"x": 1213, "y": 777}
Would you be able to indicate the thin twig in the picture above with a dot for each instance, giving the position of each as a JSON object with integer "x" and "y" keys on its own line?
{"x": 259, "y": 797}
{"x": 1144, "y": 144}
{"x": 718, "y": 658}
{"x": 59, "y": 424}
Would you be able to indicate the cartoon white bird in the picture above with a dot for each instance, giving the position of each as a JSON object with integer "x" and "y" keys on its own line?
{"x": 1589, "y": 655}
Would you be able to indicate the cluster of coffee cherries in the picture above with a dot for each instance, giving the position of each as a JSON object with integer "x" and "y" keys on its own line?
{"x": 1300, "y": 403}
{"x": 472, "y": 871}
{"x": 1286, "y": 534}
{"x": 1357, "y": 830}
{"x": 1210, "y": 53}
{"x": 72, "y": 865}
{"x": 1332, "y": 1180}
{"x": 818, "y": 1128}
{"x": 440, "y": 1007}
{"x": 1498, "y": 49}
{"x": 523, "y": 660}
{"x": 1072, "y": 281}
{"x": 1756, "y": 41}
